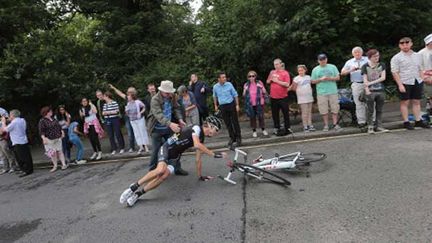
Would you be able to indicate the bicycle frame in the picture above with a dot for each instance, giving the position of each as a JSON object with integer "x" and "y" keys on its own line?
{"x": 268, "y": 164}
{"x": 274, "y": 163}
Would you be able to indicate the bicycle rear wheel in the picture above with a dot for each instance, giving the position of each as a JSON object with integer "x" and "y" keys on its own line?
{"x": 259, "y": 173}
{"x": 306, "y": 159}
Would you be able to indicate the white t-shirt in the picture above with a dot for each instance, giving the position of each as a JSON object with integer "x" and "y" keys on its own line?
{"x": 304, "y": 89}
{"x": 427, "y": 58}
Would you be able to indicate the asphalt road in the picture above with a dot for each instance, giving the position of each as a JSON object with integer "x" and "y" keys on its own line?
{"x": 373, "y": 188}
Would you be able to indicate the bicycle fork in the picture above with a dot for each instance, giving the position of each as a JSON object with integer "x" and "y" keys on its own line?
{"x": 228, "y": 177}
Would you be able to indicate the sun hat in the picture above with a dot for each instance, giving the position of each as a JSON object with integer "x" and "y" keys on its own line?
{"x": 167, "y": 86}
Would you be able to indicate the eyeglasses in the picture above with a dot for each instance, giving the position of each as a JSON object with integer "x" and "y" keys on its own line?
{"x": 404, "y": 42}
{"x": 251, "y": 76}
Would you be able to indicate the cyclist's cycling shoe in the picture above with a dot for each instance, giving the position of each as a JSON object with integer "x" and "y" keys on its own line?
{"x": 132, "y": 199}
{"x": 125, "y": 195}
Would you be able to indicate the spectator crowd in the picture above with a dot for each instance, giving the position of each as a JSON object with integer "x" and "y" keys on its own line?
{"x": 166, "y": 110}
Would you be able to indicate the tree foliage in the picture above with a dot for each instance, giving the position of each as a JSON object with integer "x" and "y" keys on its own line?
{"x": 54, "y": 52}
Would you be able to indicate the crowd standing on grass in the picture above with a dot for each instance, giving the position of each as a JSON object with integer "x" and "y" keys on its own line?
{"x": 152, "y": 120}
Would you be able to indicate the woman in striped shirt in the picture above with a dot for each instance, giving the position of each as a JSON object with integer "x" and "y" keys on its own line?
{"x": 111, "y": 113}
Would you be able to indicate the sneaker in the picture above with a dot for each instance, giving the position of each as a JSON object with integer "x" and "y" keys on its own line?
{"x": 281, "y": 132}
{"x": 288, "y": 131}
{"x": 3, "y": 171}
{"x": 181, "y": 172}
{"x": 81, "y": 162}
{"x": 326, "y": 129}
{"x": 94, "y": 155}
{"x": 132, "y": 200}
{"x": 140, "y": 151}
{"x": 381, "y": 129}
{"x": 371, "y": 130}
{"x": 131, "y": 150}
{"x": 311, "y": 128}
{"x": 254, "y": 134}
{"x": 337, "y": 128}
{"x": 125, "y": 195}
{"x": 11, "y": 171}
{"x": 73, "y": 162}
{"x": 422, "y": 124}
{"x": 408, "y": 126}
{"x": 121, "y": 151}
{"x": 306, "y": 129}
{"x": 99, "y": 156}
{"x": 113, "y": 152}
{"x": 265, "y": 133}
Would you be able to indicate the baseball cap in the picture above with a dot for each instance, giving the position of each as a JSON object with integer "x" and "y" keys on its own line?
{"x": 322, "y": 56}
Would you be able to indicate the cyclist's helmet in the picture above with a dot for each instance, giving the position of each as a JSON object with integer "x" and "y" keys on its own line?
{"x": 215, "y": 121}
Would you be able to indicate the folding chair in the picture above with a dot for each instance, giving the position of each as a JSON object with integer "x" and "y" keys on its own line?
{"x": 347, "y": 111}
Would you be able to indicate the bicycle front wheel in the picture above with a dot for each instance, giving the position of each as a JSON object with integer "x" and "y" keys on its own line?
{"x": 259, "y": 173}
{"x": 306, "y": 159}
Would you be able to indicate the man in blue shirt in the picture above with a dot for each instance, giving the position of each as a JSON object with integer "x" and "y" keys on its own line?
{"x": 226, "y": 100}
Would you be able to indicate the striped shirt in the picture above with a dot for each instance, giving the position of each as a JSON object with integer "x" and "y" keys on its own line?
{"x": 408, "y": 66}
{"x": 113, "y": 108}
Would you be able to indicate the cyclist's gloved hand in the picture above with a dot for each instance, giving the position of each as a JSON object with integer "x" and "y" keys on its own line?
{"x": 205, "y": 178}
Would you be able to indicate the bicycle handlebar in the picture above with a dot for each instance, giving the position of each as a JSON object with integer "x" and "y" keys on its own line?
{"x": 241, "y": 151}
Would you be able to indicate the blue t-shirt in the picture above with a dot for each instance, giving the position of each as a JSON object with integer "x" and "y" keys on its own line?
{"x": 225, "y": 93}
{"x": 71, "y": 133}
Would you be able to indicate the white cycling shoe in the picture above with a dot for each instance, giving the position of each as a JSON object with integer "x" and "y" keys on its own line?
{"x": 132, "y": 200}
{"x": 126, "y": 195}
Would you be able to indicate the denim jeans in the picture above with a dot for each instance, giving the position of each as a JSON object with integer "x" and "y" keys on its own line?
{"x": 130, "y": 132}
{"x": 114, "y": 132}
{"x": 79, "y": 146}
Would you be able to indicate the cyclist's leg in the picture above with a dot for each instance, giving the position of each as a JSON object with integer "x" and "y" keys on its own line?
{"x": 158, "y": 180}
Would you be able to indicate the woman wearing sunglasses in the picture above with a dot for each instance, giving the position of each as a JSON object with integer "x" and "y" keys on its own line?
{"x": 254, "y": 93}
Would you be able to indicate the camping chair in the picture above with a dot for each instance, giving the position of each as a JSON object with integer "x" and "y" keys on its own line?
{"x": 347, "y": 111}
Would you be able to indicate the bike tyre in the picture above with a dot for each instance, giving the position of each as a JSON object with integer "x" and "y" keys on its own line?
{"x": 310, "y": 158}
{"x": 267, "y": 175}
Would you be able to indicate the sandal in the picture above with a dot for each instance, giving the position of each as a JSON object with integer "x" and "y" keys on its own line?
{"x": 205, "y": 178}
{"x": 64, "y": 167}
{"x": 53, "y": 169}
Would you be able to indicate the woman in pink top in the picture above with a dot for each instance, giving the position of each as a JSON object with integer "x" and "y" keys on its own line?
{"x": 254, "y": 92}
{"x": 279, "y": 81}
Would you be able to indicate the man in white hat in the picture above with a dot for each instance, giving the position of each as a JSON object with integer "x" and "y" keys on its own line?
{"x": 163, "y": 112}
{"x": 427, "y": 60}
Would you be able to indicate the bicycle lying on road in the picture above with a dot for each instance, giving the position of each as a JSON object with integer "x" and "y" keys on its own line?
{"x": 260, "y": 167}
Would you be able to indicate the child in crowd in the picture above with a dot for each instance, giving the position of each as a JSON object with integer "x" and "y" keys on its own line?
{"x": 73, "y": 134}
{"x": 302, "y": 86}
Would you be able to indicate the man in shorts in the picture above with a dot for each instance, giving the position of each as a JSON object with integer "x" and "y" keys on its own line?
{"x": 407, "y": 70}
{"x": 325, "y": 77}
{"x": 170, "y": 152}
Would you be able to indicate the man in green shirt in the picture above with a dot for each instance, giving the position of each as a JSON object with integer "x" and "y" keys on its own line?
{"x": 325, "y": 77}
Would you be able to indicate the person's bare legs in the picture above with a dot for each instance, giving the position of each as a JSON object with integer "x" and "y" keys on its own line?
{"x": 335, "y": 118}
{"x": 325, "y": 119}
{"x": 404, "y": 109}
{"x": 151, "y": 175}
{"x": 156, "y": 181}
{"x": 54, "y": 160}
{"x": 61, "y": 156}
{"x": 416, "y": 109}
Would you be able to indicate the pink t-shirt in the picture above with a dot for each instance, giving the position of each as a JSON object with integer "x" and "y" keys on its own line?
{"x": 277, "y": 91}
{"x": 253, "y": 92}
